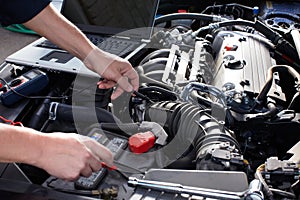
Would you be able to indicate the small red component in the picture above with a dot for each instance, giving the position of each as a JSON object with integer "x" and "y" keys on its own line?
{"x": 103, "y": 164}
{"x": 141, "y": 142}
{"x": 182, "y": 11}
{"x": 231, "y": 47}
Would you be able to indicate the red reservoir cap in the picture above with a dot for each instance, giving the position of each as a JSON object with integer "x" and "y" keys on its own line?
{"x": 141, "y": 142}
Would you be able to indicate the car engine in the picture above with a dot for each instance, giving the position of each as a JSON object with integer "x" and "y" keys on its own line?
{"x": 216, "y": 116}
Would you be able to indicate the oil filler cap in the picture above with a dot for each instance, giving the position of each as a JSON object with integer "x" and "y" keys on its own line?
{"x": 141, "y": 142}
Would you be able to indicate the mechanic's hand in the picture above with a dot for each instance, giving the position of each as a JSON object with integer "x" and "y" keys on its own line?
{"x": 114, "y": 70}
{"x": 68, "y": 155}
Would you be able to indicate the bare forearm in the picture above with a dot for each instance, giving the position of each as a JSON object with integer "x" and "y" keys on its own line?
{"x": 52, "y": 25}
{"x": 19, "y": 144}
{"x": 62, "y": 155}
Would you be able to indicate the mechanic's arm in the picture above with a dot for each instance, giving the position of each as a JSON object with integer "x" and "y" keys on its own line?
{"x": 55, "y": 27}
{"x": 63, "y": 155}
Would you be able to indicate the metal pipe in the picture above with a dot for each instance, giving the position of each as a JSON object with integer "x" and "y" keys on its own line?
{"x": 203, "y": 88}
{"x": 182, "y": 189}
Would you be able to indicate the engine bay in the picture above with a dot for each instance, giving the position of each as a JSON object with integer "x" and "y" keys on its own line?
{"x": 216, "y": 116}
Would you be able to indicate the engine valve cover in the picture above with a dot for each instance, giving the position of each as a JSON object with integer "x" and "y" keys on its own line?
{"x": 241, "y": 60}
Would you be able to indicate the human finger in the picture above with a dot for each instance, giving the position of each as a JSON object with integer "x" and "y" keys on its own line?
{"x": 95, "y": 163}
{"x": 86, "y": 172}
{"x": 123, "y": 85}
{"x": 118, "y": 91}
{"x": 123, "y": 82}
{"x": 133, "y": 78}
{"x": 102, "y": 153}
{"x": 106, "y": 84}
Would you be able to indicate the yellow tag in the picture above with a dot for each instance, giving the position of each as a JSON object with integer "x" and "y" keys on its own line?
{"x": 269, "y": 4}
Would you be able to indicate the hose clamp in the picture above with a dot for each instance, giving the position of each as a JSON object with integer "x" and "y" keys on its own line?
{"x": 53, "y": 110}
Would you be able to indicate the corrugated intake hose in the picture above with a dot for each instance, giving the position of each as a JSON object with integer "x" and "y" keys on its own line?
{"x": 189, "y": 126}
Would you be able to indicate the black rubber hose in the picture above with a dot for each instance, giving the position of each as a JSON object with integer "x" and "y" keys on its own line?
{"x": 229, "y": 9}
{"x": 236, "y": 22}
{"x": 126, "y": 129}
{"x": 281, "y": 44}
{"x": 172, "y": 96}
{"x": 197, "y": 16}
{"x": 65, "y": 113}
{"x": 40, "y": 115}
{"x": 269, "y": 33}
{"x": 223, "y": 24}
{"x": 200, "y": 100}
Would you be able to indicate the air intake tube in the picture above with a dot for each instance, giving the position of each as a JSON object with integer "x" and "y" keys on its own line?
{"x": 64, "y": 112}
{"x": 196, "y": 129}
